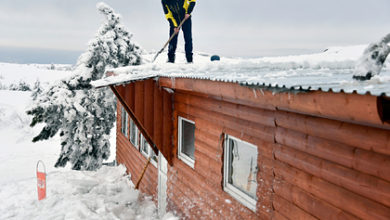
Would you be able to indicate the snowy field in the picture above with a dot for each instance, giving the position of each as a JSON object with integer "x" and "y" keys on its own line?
{"x": 105, "y": 194}
{"x": 18, "y": 155}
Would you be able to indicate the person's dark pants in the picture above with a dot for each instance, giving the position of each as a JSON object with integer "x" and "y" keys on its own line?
{"x": 187, "y": 26}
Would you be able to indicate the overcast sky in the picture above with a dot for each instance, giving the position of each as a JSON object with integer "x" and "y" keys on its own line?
{"x": 229, "y": 28}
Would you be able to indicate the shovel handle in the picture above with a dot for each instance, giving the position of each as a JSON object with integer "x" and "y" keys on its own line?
{"x": 172, "y": 36}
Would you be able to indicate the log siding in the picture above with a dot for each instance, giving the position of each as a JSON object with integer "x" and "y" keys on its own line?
{"x": 315, "y": 160}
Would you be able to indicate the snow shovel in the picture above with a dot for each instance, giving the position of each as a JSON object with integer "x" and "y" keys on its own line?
{"x": 172, "y": 36}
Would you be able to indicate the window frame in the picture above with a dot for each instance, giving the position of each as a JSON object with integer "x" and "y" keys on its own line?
{"x": 186, "y": 159}
{"x": 136, "y": 144}
{"x": 124, "y": 126}
{"x": 232, "y": 190}
{"x": 143, "y": 140}
{"x": 150, "y": 151}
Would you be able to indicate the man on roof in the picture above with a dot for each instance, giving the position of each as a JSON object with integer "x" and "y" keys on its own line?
{"x": 175, "y": 12}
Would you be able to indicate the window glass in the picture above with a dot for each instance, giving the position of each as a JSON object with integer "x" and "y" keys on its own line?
{"x": 188, "y": 138}
{"x": 133, "y": 133}
{"x": 124, "y": 127}
{"x": 242, "y": 166}
{"x": 145, "y": 147}
{"x": 154, "y": 157}
{"x": 147, "y": 151}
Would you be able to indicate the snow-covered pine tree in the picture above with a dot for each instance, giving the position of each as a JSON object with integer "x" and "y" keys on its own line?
{"x": 372, "y": 60}
{"x": 37, "y": 89}
{"x": 85, "y": 116}
{"x": 22, "y": 86}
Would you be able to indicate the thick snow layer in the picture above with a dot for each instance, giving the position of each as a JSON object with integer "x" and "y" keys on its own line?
{"x": 331, "y": 69}
{"x": 104, "y": 194}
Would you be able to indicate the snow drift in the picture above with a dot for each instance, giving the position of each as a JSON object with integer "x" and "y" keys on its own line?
{"x": 105, "y": 194}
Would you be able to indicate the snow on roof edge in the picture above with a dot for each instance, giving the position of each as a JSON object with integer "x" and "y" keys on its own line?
{"x": 120, "y": 79}
{"x": 124, "y": 79}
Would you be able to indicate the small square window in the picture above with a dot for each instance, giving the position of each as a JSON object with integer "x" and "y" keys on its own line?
{"x": 240, "y": 171}
{"x": 148, "y": 152}
{"x": 186, "y": 143}
{"x": 133, "y": 134}
{"x": 125, "y": 122}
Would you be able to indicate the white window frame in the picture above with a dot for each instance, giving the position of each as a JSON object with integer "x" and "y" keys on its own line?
{"x": 149, "y": 153}
{"x": 151, "y": 159}
{"x": 136, "y": 144}
{"x": 126, "y": 124}
{"x": 141, "y": 149}
{"x": 186, "y": 159}
{"x": 236, "y": 193}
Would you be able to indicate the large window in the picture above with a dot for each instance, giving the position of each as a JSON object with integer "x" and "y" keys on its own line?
{"x": 240, "y": 171}
{"x": 133, "y": 134}
{"x": 186, "y": 138}
{"x": 125, "y": 124}
{"x": 148, "y": 152}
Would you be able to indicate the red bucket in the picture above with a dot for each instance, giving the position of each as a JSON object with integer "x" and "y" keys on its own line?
{"x": 41, "y": 181}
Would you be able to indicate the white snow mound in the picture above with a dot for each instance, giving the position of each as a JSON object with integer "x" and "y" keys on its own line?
{"x": 104, "y": 194}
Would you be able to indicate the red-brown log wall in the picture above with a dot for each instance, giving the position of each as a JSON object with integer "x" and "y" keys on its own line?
{"x": 197, "y": 193}
{"x": 152, "y": 107}
{"x": 134, "y": 161}
{"x": 309, "y": 167}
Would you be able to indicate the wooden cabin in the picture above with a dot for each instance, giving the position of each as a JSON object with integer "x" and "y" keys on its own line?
{"x": 225, "y": 150}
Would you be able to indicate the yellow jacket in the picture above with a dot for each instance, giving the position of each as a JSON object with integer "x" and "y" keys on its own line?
{"x": 175, "y": 10}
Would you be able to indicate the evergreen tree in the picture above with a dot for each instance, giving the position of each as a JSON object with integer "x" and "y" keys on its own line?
{"x": 371, "y": 62}
{"x": 82, "y": 115}
{"x": 22, "y": 86}
{"x": 36, "y": 90}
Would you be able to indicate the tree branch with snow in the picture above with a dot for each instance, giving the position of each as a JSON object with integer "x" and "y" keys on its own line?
{"x": 372, "y": 60}
{"x": 81, "y": 115}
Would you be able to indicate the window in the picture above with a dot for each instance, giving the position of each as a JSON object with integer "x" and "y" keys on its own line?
{"x": 124, "y": 127}
{"x": 154, "y": 157}
{"x": 133, "y": 134}
{"x": 147, "y": 151}
{"x": 143, "y": 146}
{"x": 240, "y": 171}
{"x": 186, "y": 138}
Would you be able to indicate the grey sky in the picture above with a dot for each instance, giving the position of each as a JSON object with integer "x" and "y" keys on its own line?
{"x": 225, "y": 27}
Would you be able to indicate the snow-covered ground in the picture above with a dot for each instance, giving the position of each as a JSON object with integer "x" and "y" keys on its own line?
{"x": 18, "y": 155}
{"x": 105, "y": 194}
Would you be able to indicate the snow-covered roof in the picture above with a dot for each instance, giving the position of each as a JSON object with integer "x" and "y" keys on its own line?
{"x": 330, "y": 70}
